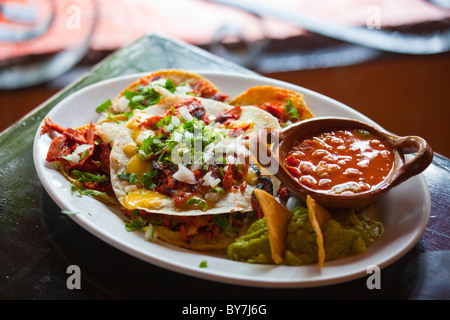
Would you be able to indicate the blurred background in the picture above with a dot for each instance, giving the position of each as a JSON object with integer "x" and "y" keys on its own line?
{"x": 388, "y": 59}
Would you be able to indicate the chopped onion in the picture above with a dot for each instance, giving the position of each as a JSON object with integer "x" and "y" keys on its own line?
{"x": 184, "y": 175}
{"x": 215, "y": 182}
{"x": 175, "y": 121}
{"x": 82, "y": 148}
{"x": 150, "y": 233}
{"x": 121, "y": 105}
{"x": 73, "y": 157}
{"x": 183, "y": 89}
{"x": 212, "y": 196}
{"x": 292, "y": 203}
{"x": 208, "y": 180}
{"x": 130, "y": 188}
{"x": 176, "y": 136}
{"x": 185, "y": 114}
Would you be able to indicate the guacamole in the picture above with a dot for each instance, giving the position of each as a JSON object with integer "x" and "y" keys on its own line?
{"x": 348, "y": 233}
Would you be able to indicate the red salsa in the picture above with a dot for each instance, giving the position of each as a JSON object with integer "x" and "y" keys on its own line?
{"x": 340, "y": 161}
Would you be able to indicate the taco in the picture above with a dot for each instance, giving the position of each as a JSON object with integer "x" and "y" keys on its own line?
{"x": 286, "y": 105}
{"x": 153, "y": 88}
{"x": 184, "y": 165}
{"x": 148, "y": 91}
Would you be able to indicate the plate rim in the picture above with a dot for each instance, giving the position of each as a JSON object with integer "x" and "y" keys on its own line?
{"x": 204, "y": 273}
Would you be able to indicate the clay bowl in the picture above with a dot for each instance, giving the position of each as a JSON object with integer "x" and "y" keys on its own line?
{"x": 282, "y": 141}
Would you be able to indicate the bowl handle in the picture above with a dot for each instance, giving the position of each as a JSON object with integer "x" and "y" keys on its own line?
{"x": 416, "y": 165}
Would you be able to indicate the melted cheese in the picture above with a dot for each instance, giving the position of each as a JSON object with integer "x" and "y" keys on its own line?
{"x": 137, "y": 131}
{"x": 138, "y": 166}
{"x": 143, "y": 199}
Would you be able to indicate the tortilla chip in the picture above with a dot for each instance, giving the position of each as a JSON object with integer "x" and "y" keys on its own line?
{"x": 277, "y": 219}
{"x": 318, "y": 216}
{"x": 278, "y": 97}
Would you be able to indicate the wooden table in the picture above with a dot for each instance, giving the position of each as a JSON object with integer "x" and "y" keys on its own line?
{"x": 38, "y": 243}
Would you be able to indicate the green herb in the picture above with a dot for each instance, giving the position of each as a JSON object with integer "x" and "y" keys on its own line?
{"x": 216, "y": 189}
{"x": 109, "y": 116}
{"x": 142, "y": 97}
{"x": 69, "y": 212}
{"x": 221, "y": 160}
{"x": 145, "y": 179}
{"x": 291, "y": 111}
{"x": 84, "y": 154}
{"x": 86, "y": 177}
{"x": 198, "y": 203}
{"x": 170, "y": 86}
{"x": 92, "y": 193}
{"x": 104, "y": 106}
{"x": 136, "y": 223}
{"x": 164, "y": 121}
{"x": 132, "y": 178}
{"x": 203, "y": 264}
{"x": 223, "y": 223}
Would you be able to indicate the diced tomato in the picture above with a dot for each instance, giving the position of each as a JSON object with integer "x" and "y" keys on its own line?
{"x": 294, "y": 171}
{"x": 292, "y": 161}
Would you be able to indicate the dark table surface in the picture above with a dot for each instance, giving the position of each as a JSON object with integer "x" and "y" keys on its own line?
{"x": 38, "y": 243}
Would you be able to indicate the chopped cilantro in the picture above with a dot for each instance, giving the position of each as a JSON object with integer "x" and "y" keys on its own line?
{"x": 142, "y": 98}
{"x": 86, "y": 177}
{"x": 104, "y": 106}
{"x": 132, "y": 178}
{"x": 291, "y": 111}
{"x": 69, "y": 212}
{"x": 110, "y": 117}
{"x": 170, "y": 86}
{"x": 198, "y": 203}
{"x": 223, "y": 223}
{"x": 136, "y": 223}
{"x": 91, "y": 192}
{"x": 145, "y": 179}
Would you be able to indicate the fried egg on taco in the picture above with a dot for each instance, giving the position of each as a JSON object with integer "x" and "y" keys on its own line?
{"x": 184, "y": 165}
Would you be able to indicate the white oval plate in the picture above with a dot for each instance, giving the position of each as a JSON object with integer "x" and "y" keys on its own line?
{"x": 404, "y": 211}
